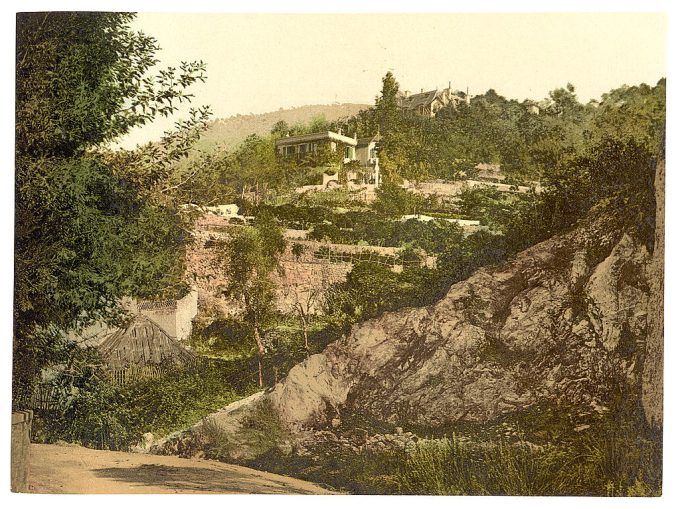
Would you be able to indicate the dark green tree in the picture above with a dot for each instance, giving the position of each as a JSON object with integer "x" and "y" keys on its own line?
{"x": 85, "y": 235}
{"x": 249, "y": 258}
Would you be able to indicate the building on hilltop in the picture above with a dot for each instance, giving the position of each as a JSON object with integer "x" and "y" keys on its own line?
{"x": 305, "y": 144}
{"x": 362, "y": 153}
{"x": 532, "y": 107}
{"x": 429, "y": 103}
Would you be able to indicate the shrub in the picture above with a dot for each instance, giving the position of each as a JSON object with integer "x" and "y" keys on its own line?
{"x": 103, "y": 415}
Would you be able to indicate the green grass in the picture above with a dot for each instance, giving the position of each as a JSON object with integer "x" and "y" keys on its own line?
{"x": 609, "y": 462}
{"x": 260, "y": 435}
{"x": 543, "y": 455}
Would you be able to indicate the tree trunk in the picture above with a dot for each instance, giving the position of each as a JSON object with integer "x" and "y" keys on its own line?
{"x": 260, "y": 354}
{"x": 305, "y": 333}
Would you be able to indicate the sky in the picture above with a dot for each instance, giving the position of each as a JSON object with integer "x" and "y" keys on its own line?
{"x": 262, "y": 62}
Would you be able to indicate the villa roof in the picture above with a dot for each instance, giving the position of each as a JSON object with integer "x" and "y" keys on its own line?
{"x": 416, "y": 100}
{"x": 320, "y": 136}
{"x": 368, "y": 139}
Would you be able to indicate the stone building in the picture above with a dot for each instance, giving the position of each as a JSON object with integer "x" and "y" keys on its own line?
{"x": 532, "y": 107}
{"x": 173, "y": 316}
{"x": 367, "y": 156}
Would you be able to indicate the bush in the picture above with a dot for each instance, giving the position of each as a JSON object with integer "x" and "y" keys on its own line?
{"x": 225, "y": 338}
{"x": 609, "y": 459}
{"x": 102, "y": 415}
{"x": 261, "y": 435}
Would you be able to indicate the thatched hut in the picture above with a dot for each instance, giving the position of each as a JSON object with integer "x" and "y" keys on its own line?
{"x": 143, "y": 342}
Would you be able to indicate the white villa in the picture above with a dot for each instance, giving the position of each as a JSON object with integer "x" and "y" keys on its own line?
{"x": 364, "y": 151}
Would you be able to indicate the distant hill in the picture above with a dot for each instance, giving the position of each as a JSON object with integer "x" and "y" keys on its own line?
{"x": 227, "y": 133}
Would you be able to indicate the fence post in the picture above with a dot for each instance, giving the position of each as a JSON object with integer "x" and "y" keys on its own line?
{"x": 21, "y": 443}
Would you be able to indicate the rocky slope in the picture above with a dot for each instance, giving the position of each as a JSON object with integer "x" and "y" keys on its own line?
{"x": 565, "y": 320}
{"x": 652, "y": 376}
{"x": 562, "y": 321}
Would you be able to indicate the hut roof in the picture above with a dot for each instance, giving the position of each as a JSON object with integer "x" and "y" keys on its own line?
{"x": 143, "y": 342}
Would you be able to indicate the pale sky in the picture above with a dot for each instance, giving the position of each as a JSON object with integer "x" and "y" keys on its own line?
{"x": 262, "y": 62}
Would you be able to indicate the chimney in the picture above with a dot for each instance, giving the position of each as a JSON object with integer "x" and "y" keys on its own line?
{"x": 422, "y": 90}
{"x": 449, "y": 85}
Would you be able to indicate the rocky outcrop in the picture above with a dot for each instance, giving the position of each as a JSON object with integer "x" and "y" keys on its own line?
{"x": 652, "y": 376}
{"x": 565, "y": 320}
{"x": 562, "y": 321}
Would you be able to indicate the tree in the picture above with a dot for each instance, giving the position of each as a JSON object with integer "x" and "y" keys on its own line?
{"x": 280, "y": 128}
{"x": 254, "y": 167}
{"x": 249, "y": 258}
{"x": 387, "y": 104}
{"x": 85, "y": 235}
{"x": 394, "y": 201}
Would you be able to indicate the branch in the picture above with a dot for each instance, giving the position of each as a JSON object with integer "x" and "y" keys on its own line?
{"x": 170, "y": 188}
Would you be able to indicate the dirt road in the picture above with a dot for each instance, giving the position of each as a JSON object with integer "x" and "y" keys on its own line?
{"x": 74, "y": 469}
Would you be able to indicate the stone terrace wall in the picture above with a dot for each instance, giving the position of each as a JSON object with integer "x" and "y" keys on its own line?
{"x": 306, "y": 278}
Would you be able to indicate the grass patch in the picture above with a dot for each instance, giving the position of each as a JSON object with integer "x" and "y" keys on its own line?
{"x": 614, "y": 455}
{"x": 261, "y": 434}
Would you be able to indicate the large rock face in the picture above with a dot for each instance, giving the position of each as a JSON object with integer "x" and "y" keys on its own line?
{"x": 563, "y": 320}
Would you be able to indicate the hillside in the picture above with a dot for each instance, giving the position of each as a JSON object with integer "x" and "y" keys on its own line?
{"x": 562, "y": 322}
{"x": 227, "y": 133}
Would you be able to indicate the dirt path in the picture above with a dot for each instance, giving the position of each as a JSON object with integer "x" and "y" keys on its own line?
{"x": 74, "y": 469}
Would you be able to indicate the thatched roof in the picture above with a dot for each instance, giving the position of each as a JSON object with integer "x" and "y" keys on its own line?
{"x": 143, "y": 342}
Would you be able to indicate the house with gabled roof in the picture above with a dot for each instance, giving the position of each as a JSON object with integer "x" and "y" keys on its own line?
{"x": 429, "y": 103}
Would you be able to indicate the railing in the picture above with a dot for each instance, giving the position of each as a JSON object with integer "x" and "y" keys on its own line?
{"x": 137, "y": 372}
{"x": 334, "y": 256}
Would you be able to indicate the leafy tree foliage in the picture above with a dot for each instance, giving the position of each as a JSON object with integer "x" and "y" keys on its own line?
{"x": 249, "y": 258}
{"x": 393, "y": 201}
{"x": 85, "y": 233}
